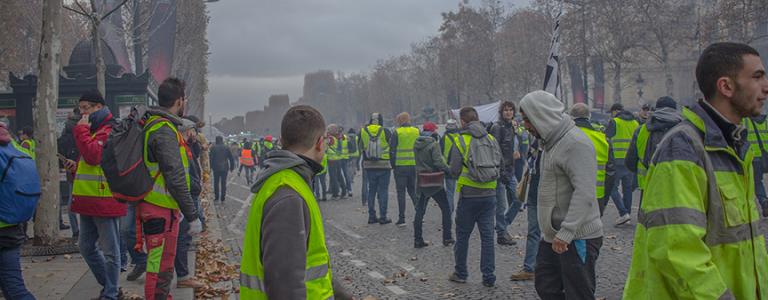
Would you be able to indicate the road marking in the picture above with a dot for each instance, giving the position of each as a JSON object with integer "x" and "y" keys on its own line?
{"x": 345, "y": 253}
{"x": 358, "y": 263}
{"x": 376, "y": 275}
{"x": 232, "y": 225}
{"x": 345, "y": 230}
{"x": 241, "y": 201}
{"x": 396, "y": 289}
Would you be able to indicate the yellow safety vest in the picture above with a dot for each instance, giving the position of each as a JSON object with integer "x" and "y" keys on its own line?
{"x": 317, "y": 277}
{"x": 447, "y": 144}
{"x": 406, "y": 138}
{"x": 345, "y": 147}
{"x": 753, "y": 131}
{"x": 330, "y": 150}
{"x": 601, "y": 150}
{"x": 31, "y": 145}
{"x": 324, "y": 163}
{"x": 642, "y": 142}
{"x": 624, "y": 131}
{"x": 90, "y": 180}
{"x": 159, "y": 195}
{"x": 464, "y": 177}
{"x": 372, "y": 131}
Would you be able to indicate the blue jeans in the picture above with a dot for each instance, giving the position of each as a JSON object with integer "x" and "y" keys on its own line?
{"x": 421, "y": 209}
{"x": 623, "y": 201}
{"x": 450, "y": 191}
{"x": 506, "y": 197}
{"x": 405, "y": 181}
{"x": 364, "y": 187}
{"x": 378, "y": 185}
{"x": 181, "y": 262}
{"x": 12, "y": 283}
{"x": 320, "y": 187}
{"x": 757, "y": 166}
{"x": 469, "y": 212}
{"x": 128, "y": 239}
{"x": 534, "y": 233}
{"x": 72, "y": 216}
{"x": 103, "y": 259}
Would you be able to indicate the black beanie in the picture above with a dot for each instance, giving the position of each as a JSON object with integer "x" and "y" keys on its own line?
{"x": 93, "y": 96}
{"x": 666, "y": 102}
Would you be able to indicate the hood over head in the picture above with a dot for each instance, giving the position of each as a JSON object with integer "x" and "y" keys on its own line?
{"x": 424, "y": 140}
{"x": 663, "y": 119}
{"x": 545, "y": 112}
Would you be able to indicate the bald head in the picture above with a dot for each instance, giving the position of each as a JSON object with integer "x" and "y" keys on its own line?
{"x": 580, "y": 110}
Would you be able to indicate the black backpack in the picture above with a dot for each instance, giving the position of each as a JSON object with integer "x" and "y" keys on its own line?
{"x": 123, "y": 158}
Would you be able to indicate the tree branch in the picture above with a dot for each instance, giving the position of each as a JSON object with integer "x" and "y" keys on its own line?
{"x": 75, "y": 11}
{"x": 82, "y": 9}
{"x": 113, "y": 10}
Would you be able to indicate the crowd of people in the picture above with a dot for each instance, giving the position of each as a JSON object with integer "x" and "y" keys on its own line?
{"x": 699, "y": 170}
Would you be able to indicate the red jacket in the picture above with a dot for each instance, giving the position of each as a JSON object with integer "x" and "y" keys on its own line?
{"x": 90, "y": 150}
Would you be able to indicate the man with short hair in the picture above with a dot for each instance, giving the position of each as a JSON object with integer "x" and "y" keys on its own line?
{"x": 619, "y": 132}
{"x": 568, "y": 215}
{"x": 284, "y": 250}
{"x": 162, "y": 209}
{"x": 446, "y": 142}
{"x": 698, "y": 233}
{"x": 91, "y": 197}
{"x": 404, "y": 162}
{"x": 477, "y": 200}
{"x": 374, "y": 144}
{"x": 507, "y": 204}
{"x": 222, "y": 162}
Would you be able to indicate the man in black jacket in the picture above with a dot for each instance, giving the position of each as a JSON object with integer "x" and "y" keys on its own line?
{"x": 507, "y": 204}
{"x": 222, "y": 162}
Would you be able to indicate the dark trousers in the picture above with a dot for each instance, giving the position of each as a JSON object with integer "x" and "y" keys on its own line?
{"x": 320, "y": 187}
{"x": 569, "y": 275}
{"x": 471, "y": 211}
{"x": 181, "y": 262}
{"x": 421, "y": 209}
{"x": 220, "y": 185}
{"x": 12, "y": 283}
{"x": 338, "y": 185}
{"x": 364, "y": 189}
{"x": 249, "y": 171}
{"x": 378, "y": 186}
{"x": 346, "y": 172}
{"x": 623, "y": 200}
{"x": 405, "y": 180}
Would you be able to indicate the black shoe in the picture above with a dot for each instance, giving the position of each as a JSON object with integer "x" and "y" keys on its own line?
{"x": 420, "y": 244}
{"x": 63, "y": 226}
{"x": 383, "y": 221}
{"x": 456, "y": 278}
{"x": 137, "y": 271}
{"x": 489, "y": 284}
{"x": 505, "y": 241}
{"x": 350, "y": 194}
{"x": 343, "y": 196}
{"x": 334, "y": 197}
{"x": 765, "y": 209}
{"x": 448, "y": 242}
{"x": 400, "y": 223}
{"x": 372, "y": 221}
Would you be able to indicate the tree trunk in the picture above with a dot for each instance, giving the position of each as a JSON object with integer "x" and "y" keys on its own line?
{"x": 669, "y": 83}
{"x": 45, "y": 103}
{"x": 101, "y": 67}
{"x": 617, "y": 82}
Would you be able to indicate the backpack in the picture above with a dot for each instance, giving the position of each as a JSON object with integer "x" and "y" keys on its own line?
{"x": 483, "y": 158}
{"x": 19, "y": 186}
{"x": 122, "y": 159}
{"x": 352, "y": 143}
{"x": 374, "y": 150}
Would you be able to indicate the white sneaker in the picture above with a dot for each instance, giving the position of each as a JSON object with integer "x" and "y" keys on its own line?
{"x": 623, "y": 219}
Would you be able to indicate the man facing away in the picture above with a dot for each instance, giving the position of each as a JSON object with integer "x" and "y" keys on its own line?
{"x": 568, "y": 215}
{"x": 698, "y": 233}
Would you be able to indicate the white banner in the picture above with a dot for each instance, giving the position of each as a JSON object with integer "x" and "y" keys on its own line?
{"x": 488, "y": 113}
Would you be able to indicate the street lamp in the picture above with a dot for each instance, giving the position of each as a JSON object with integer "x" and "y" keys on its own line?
{"x": 640, "y": 83}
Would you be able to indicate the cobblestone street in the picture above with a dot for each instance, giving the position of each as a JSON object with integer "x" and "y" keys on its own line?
{"x": 379, "y": 260}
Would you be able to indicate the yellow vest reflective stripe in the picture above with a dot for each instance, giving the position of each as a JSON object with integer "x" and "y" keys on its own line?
{"x": 31, "y": 145}
{"x": 90, "y": 180}
{"x": 331, "y": 151}
{"x": 464, "y": 177}
{"x": 317, "y": 277}
{"x": 345, "y": 147}
{"x": 159, "y": 195}
{"x": 641, "y": 144}
{"x": 447, "y": 144}
{"x": 624, "y": 131}
{"x": 601, "y": 151}
{"x": 762, "y": 130}
{"x": 324, "y": 163}
{"x": 374, "y": 130}
{"x": 406, "y": 138}
{"x": 22, "y": 149}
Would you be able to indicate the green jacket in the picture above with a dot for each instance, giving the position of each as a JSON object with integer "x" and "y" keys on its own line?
{"x": 429, "y": 158}
{"x": 698, "y": 233}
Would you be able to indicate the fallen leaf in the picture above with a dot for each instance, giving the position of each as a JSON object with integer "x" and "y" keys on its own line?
{"x": 67, "y": 256}
{"x": 424, "y": 279}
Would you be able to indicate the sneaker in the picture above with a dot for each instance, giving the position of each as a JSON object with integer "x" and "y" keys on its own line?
{"x": 137, "y": 271}
{"x": 372, "y": 221}
{"x": 350, "y": 194}
{"x": 456, "y": 278}
{"x": 523, "y": 275}
{"x": 383, "y": 221}
{"x": 63, "y": 226}
{"x": 334, "y": 197}
{"x": 123, "y": 269}
{"x": 400, "y": 223}
{"x": 420, "y": 244}
{"x": 190, "y": 283}
{"x": 489, "y": 284}
{"x": 448, "y": 242}
{"x": 622, "y": 219}
{"x": 504, "y": 241}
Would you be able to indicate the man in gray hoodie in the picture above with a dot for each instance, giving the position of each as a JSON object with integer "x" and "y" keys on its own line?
{"x": 567, "y": 211}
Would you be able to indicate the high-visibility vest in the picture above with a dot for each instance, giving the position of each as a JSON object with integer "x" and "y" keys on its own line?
{"x": 406, "y": 138}
{"x": 324, "y": 163}
{"x": 30, "y": 146}
{"x": 22, "y": 149}
{"x": 641, "y": 143}
{"x": 601, "y": 151}
{"x": 624, "y": 131}
{"x": 464, "y": 177}
{"x": 317, "y": 277}
{"x": 344, "y": 144}
{"x": 755, "y": 129}
{"x": 448, "y": 143}
{"x": 90, "y": 180}
{"x": 370, "y": 131}
{"x": 331, "y": 151}
{"x": 523, "y": 134}
{"x": 159, "y": 195}
{"x": 246, "y": 157}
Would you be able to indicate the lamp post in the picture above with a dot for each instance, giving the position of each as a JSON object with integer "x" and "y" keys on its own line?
{"x": 640, "y": 83}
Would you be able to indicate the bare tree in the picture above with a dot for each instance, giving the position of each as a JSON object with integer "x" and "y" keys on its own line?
{"x": 45, "y": 103}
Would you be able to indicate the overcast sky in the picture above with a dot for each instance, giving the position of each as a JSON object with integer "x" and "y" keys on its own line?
{"x": 259, "y": 48}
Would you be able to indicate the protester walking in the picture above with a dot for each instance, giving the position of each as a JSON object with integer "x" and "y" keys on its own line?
{"x": 430, "y": 170}
{"x": 619, "y": 132}
{"x": 374, "y": 142}
{"x": 451, "y": 132}
{"x": 533, "y": 236}
{"x": 248, "y": 162}
{"x": 222, "y": 163}
{"x": 698, "y": 233}
{"x": 507, "y": 204}
{"x": 567, "y": 210}
{"x": 477, "y": 194}
{"x": 402, "y": 156}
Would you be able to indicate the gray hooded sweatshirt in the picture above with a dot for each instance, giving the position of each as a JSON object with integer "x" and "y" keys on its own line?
{"x": 567, "y": 205}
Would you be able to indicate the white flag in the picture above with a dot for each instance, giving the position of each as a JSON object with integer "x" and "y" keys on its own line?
{"x": 552, "y": 76}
